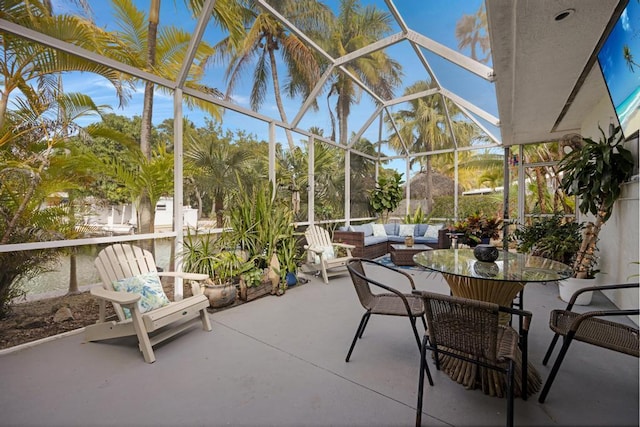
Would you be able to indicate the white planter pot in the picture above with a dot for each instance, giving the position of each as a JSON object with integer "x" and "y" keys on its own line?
{"x": 568, "y": 287}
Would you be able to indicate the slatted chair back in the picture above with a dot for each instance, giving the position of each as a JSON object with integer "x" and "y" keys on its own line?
{"x": 120, "y": 261}
{"x": 361, "y": 285}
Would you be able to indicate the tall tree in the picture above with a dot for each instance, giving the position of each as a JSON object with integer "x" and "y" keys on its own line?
{"x": 265, "y": 36}
{"x": 354, "y": 28}
{"x": 424, "y": 127}
{"x": 161, "y": 51}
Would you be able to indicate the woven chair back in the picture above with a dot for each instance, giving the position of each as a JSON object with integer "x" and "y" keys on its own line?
{"x": 465, "y": 325}
{"x": 363, "y": 290}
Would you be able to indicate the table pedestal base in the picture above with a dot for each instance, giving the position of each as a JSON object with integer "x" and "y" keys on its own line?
{"x": 472, "y": 376}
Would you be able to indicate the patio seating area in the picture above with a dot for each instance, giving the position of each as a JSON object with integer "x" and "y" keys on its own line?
{"x": 279, "y": 361}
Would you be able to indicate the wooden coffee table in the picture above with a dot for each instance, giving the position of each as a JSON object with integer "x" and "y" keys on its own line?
{"x": 403, "y": 254}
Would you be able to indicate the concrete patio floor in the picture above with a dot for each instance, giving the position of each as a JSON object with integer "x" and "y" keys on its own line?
{"x": 279, "y": 361}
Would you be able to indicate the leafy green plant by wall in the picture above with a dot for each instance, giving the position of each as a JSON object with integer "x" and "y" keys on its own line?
{"x": 554, "y": 237}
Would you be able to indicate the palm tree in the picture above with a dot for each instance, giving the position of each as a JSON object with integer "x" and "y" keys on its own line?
{"x": 220, "y": 164}
{"x": 31, "y": 68}
{"x": 628, "y": 57}
{"x": 355, "y": 28}
{"x": 163, "y": 51}
{"x": 265, "y": 36}
{"x": 472, "y": 32}
{"x": 424, "y": 127}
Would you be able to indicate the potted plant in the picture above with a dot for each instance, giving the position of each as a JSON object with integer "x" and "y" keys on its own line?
{"x": 201, "y": 254}
{"x": 594, "y": 174}
{"x": 478, "y": 228}
{"x": 289, "y": 257}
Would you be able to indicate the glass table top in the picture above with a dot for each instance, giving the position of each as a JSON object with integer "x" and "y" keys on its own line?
{"x": 509, "y": 266}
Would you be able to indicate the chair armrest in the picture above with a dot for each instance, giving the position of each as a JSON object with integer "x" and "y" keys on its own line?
{"x": 344, "y": 245}
{"x": 602, "y": 313}
{"x": 598, "y": 288}
{"x": 318, "y": 251}
{"x": 122, "y": 298}
{"x": 185, "y": 276}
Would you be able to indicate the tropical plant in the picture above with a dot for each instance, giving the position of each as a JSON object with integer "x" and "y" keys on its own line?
{"x": 218, "y": 165}
{"x": 554, "y": 237}
{"x": 387, "y": 195}
{"x": 354, "y": 28}
{"x": 594, "y": 174}
{"x": 32, "y": 68}
{"x": 477, "y": 227}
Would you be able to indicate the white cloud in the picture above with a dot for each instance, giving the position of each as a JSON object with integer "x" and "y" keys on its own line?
{"x": 625, "y": 21}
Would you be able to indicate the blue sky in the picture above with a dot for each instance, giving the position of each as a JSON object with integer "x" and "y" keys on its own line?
{"x": 435, "y": 19}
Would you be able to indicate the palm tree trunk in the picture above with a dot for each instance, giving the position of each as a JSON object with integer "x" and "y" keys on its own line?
{"x": 276, "y": 89}
{"x": 73, "y": 272}
{"x": 146, "y": 213}
{"x": 218, "y": 207}
{"x": 540, "y": 181}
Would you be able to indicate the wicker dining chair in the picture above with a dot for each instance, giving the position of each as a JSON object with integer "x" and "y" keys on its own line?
{"x": 590, "y": 328}
{"x": 470, "y": 330}
{"x": 389, "y": 302}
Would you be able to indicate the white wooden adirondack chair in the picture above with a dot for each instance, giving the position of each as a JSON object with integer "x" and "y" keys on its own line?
{"x": 120, "y": 263}
{"x": 321, "y": 253}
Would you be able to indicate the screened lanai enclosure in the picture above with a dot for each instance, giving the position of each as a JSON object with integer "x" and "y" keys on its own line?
{"x": 137, "y": 120}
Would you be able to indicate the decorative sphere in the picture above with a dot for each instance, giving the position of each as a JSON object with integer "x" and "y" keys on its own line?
{"x": 486, "y": 253}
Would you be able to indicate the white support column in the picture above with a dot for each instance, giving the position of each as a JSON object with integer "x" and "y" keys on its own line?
{"x": 178, "y": 214}
{"x": 455, "y": 185}
{"x": 408, "y": 186}
{"x": 312, "y": 181}
{"x": 272, "y": 156}
{"x": 521, "y": 186}
{"x": 347, "y": 184}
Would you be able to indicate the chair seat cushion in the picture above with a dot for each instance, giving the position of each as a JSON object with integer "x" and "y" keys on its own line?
{"x": 148, "y": 286}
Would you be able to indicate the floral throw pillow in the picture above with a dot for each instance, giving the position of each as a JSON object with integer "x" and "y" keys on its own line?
{"x": 327, "y": 253}
{"x": 148, "y": 285}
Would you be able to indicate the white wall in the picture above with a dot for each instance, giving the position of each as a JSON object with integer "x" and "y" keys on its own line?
{"x": 619, "y": 238}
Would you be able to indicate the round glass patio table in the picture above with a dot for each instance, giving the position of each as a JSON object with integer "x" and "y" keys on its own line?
{"x": 498, "y": 282}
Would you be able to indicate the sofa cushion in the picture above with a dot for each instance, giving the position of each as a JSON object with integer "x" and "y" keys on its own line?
{"x": 372, "y": 240}
{"x": 367, "y": 229}
{"x": 420, "y": 230}
{"x": 406, "y": 229}
{"x": 379, "y": 230}
{"x": 391, "y": 229}
{"x": 396, "y": 239}
{"x": 424, "y": 240}
{"x": 432, "y": 231}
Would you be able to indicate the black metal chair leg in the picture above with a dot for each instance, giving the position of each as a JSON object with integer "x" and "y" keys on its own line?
{"x": 550, "y": 349}
{"x": 364, "y": 326}
{"x": 510, "y": 375}
{"x": 361, "y": 326}
{"x": 556, "y": 367}
{"x": 423, "y": 368}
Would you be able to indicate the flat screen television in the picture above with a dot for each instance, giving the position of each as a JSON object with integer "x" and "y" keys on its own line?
{"x": 619, "y": 61}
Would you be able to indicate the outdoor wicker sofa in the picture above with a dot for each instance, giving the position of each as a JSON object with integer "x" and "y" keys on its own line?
{"x": 370, "y": 246}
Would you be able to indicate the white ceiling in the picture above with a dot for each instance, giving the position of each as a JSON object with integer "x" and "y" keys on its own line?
{"x": 547, "y": 76}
